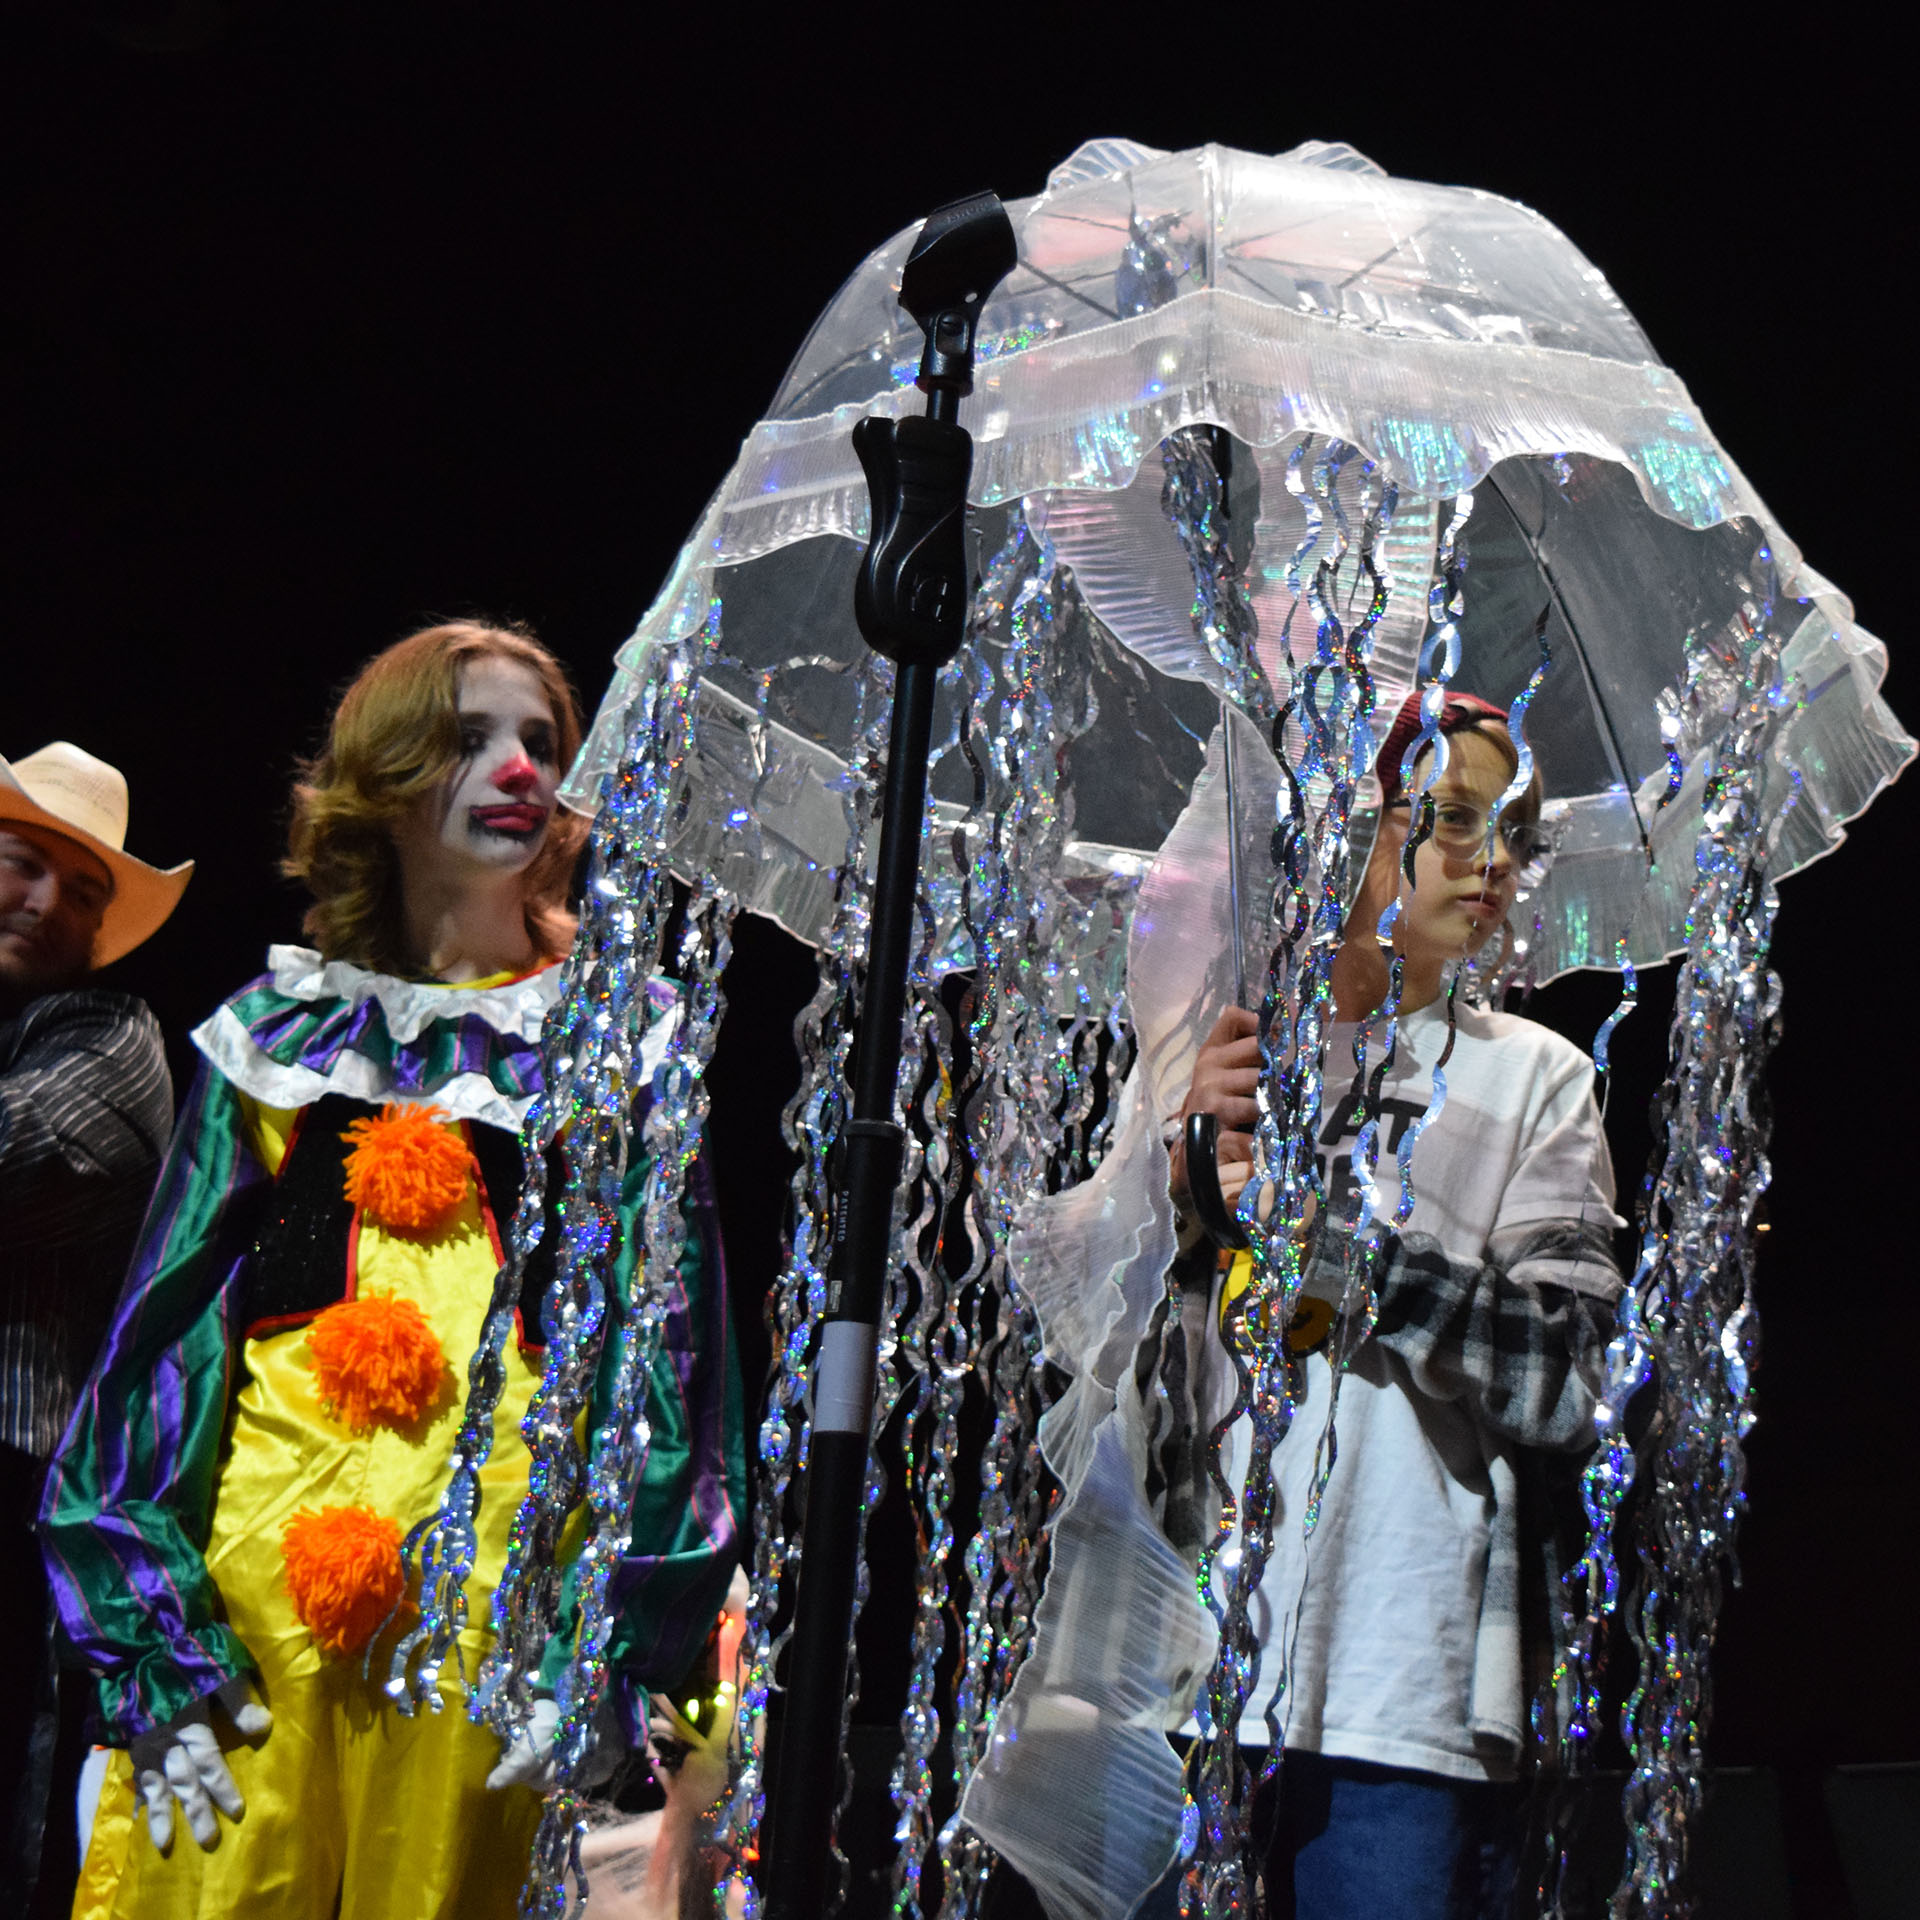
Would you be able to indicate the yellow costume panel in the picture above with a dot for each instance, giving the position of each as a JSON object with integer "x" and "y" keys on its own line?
{"x": 351, "y": 1811}
{"x": 344, "y": 1791}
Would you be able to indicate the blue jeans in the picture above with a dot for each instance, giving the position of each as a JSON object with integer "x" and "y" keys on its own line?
{"x": 1347, "y": 1840}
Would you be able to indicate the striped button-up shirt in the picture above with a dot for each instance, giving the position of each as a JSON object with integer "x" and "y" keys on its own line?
{"x": 86, "y": 1105}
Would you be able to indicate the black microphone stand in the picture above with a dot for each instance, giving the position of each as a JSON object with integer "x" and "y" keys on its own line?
{"x": 911, "y": 603}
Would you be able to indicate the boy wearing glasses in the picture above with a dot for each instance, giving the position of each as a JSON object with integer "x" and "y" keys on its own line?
{"x": 1404, "y": 1641}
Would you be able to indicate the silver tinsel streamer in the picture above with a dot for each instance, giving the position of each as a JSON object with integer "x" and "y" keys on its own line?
{"x": 1284, "y": 1197}
{"x": 590, "y": 1052}
{"x": 1687, "y": 1322}
{"x": 823, "y": 1036}
{"x": 1029, "y": 1095}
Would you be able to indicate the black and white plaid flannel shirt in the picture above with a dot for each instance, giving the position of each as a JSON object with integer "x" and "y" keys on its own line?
{"x": 86, "y": 1105}
{"x": 1521, "y": 1337}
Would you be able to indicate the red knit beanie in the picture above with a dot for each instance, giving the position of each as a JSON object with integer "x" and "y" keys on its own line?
{"x": 1461, "y": 711}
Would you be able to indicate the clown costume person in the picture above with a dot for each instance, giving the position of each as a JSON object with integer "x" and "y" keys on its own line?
{"x": 273, "y": 1409}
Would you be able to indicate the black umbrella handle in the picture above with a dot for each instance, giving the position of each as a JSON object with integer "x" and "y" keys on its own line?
{"x": 1210, "y": 1207}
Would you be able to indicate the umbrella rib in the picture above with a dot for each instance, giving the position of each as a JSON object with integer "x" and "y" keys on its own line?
{"x": 1073, "y": 293}
{"x": 1234, "y": 266}
{"x": 1380, "y": 259}
{"x": 1614, "y": 749}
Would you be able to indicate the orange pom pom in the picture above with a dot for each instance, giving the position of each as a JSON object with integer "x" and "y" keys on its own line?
{"x": 406, "y": 1169}
{"x": 376, "y": 1359}
{"x": 344, "y": 1574}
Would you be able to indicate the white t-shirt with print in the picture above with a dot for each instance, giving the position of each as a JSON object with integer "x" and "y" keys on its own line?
{"x": 1384, "y": 1660}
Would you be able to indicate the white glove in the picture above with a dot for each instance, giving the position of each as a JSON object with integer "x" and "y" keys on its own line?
{"x": 182, "y": 1761}
{"x": 528, "y": 1760}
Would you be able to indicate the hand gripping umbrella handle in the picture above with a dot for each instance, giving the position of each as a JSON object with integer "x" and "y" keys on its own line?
{"x": 1203, "y": 1182}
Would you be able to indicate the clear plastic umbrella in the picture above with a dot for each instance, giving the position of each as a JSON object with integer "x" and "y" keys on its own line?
{"x": 1451, "y": 445}
{"x": 1454, "y": 337}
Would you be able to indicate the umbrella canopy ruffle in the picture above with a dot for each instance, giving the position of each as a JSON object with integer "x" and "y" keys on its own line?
{"x": 1439, "y": 328}
{"x": 1455, "y": 338}
{"x": 762, "y": 761}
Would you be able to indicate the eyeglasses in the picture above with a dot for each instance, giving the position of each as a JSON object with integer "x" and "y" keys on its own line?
{"x": 1461, "y": 830}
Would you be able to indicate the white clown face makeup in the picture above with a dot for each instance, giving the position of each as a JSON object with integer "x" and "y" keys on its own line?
{"x": 492, "y": 811}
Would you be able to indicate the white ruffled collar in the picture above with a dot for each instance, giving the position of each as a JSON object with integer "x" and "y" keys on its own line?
{"x": 516, "y": 1008}
{"x": 514, "y": 1011}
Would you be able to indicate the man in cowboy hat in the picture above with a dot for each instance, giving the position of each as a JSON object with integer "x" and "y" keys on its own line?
{"x": 85, "y": 1109}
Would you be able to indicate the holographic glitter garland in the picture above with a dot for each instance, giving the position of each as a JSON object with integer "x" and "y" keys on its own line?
{"x": 1030, "y": 1093}
{"x": 938, "y": 1340}
{"x": 1284, "y": 1197}
{"x": 1363, "y": 1234}
{"x": 814, "y": 1118}
{"x": 823, "y": 1037}
{"x": 1687, "y": 1321}
{"x": 1193, "y": 496}
{"x": 1517, "y": 732}
{"x": 1439, "y": 662}
{"x": 1629, "y": 999}
{"x": 957, "y": 1274}
{"x": 1699, "y": 1314}
{"x": 901, "y": 1371}
{"x": 589, "y": 1047}
{"x": 628, "y": 897}
{"x": 1362, "y": 1237}
{"x": 672, "y": 1134}
{"x": 931, "y": 1352}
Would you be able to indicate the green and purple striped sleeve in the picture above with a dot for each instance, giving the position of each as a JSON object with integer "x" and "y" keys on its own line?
{"x": 129, "y": 1498}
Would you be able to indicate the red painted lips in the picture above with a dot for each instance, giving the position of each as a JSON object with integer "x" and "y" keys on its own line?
{"x": 514, "y": 819}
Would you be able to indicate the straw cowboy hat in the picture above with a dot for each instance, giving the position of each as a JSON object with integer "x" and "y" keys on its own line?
{"x": 69, "y": 792}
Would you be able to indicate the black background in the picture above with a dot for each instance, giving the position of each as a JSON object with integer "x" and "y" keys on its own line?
{"x": 328, "y": 320}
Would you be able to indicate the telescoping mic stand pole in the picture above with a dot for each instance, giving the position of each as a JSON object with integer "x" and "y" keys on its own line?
{"x": 911, "y": 603}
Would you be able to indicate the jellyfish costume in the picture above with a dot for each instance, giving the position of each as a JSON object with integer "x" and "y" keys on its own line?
{"x": 1262, "y": 447}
